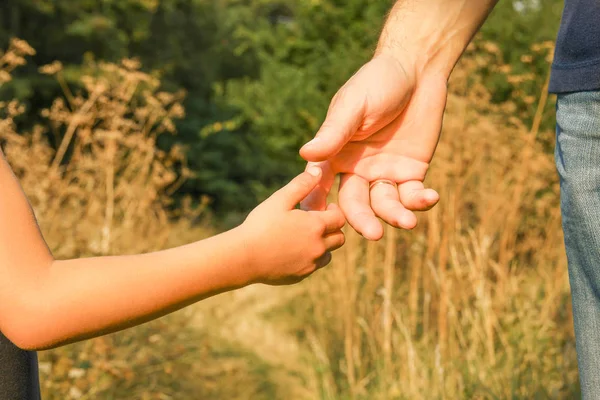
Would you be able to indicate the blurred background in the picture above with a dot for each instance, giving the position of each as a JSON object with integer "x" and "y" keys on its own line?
{"x": 136, "y": 125}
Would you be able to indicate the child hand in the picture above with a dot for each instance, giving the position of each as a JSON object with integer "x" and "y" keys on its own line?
{"x": 286, "y": 245}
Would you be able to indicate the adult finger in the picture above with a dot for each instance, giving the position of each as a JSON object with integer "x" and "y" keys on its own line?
{"x": 414, "y": 196}
{"x": 385, "y": 201}
{"x": 355, "y": 203}
{"x": 384, "y": 166}
{"x": 344, "y": 117}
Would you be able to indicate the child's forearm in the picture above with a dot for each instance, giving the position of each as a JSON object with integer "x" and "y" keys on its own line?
{"x": 46, "y": 303}
{"x": 77, "y": 299}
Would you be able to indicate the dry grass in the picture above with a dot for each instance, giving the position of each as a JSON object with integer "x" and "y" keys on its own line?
{"x": 107, "y": 171}
{"x": 106, "y": 190}
{"x": 473, "y": 304}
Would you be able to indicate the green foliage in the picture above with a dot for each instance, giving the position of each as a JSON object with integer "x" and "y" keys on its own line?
{"x": 306, "y": 50}
{"x": 517, "y": 26}
{"x": 259, "y": 74}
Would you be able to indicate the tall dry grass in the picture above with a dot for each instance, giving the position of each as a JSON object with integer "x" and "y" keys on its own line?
{"x": 105, "y": 190}
{"x": 474, "y": 303}
{"x": 107, "y": 171}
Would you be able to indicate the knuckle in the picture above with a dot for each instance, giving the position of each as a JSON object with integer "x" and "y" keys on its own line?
{"x": 321, "y": 226}
{"x": 318, "y": 226}
{"x": 319, "y": 250}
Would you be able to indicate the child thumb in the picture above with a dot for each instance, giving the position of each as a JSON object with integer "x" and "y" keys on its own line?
{"x": 298, "y": 188}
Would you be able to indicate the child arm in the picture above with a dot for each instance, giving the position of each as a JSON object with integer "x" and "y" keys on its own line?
{"x": 46, "y": 302}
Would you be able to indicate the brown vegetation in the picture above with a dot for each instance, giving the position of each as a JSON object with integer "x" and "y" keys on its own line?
{"x": 472, "y": 304}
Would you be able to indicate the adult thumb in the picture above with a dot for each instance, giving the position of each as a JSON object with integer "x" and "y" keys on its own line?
{"x": 294, "y": 192}
{"x": 344, "y": 118}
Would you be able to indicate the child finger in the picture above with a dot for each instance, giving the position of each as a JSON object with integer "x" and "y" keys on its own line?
{"x": 335, "y": 240}
{"x": 298, "y": 188}
{"x": 323, "y": 260}
{"x": 333, "y": 217}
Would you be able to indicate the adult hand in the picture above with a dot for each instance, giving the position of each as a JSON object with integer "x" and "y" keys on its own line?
{"x": 383, "y": 124}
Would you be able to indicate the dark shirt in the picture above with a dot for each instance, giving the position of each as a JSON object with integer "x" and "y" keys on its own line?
{"x": 576, "y": 64}
{"x": 18, "y": 372}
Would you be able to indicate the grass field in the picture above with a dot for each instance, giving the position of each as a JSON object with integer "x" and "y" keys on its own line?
{"x": 472, "y": 304}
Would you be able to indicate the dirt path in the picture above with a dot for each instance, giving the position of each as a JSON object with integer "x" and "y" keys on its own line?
{"x": 239, "y": 318}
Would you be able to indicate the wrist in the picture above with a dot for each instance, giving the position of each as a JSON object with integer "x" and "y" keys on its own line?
{"x": 245, "y": 244}
{"x": 432, "y": 35}
{"x": 417, "y": 52}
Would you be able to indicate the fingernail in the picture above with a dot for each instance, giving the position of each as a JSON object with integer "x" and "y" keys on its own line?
{"x": 313, "y": 142}
{"x": 431, "y": 195}
{"x": 314, "y": 171}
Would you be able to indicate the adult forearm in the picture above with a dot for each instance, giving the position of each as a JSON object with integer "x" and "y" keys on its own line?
{"x": 432, "y": 33}
{"x": 83, "y": 298}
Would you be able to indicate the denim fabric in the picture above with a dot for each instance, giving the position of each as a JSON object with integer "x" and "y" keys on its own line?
{"x": 578, "y": 163}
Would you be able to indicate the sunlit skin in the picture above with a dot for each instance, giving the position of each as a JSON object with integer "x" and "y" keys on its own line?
{"x": 396, "y": 131}
{"x": 46, "y": 302}
{"x": 385, "y": 122}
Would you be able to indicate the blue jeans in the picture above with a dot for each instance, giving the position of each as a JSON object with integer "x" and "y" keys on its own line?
{"x": 578, "y": 162}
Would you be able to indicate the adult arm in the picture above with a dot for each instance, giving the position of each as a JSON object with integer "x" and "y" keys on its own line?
{"x": 384, "y": 123}
{"x": 432, "y": 34}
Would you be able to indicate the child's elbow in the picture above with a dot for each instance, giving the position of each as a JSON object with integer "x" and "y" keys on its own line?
{"x": 25, "y": 340}
{"x": 26, "y": 326}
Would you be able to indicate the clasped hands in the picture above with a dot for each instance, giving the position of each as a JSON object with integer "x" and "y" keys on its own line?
{"x": 380, "y": 134}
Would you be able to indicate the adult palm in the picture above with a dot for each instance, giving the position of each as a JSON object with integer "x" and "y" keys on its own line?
{"x": 383, "y": 124}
